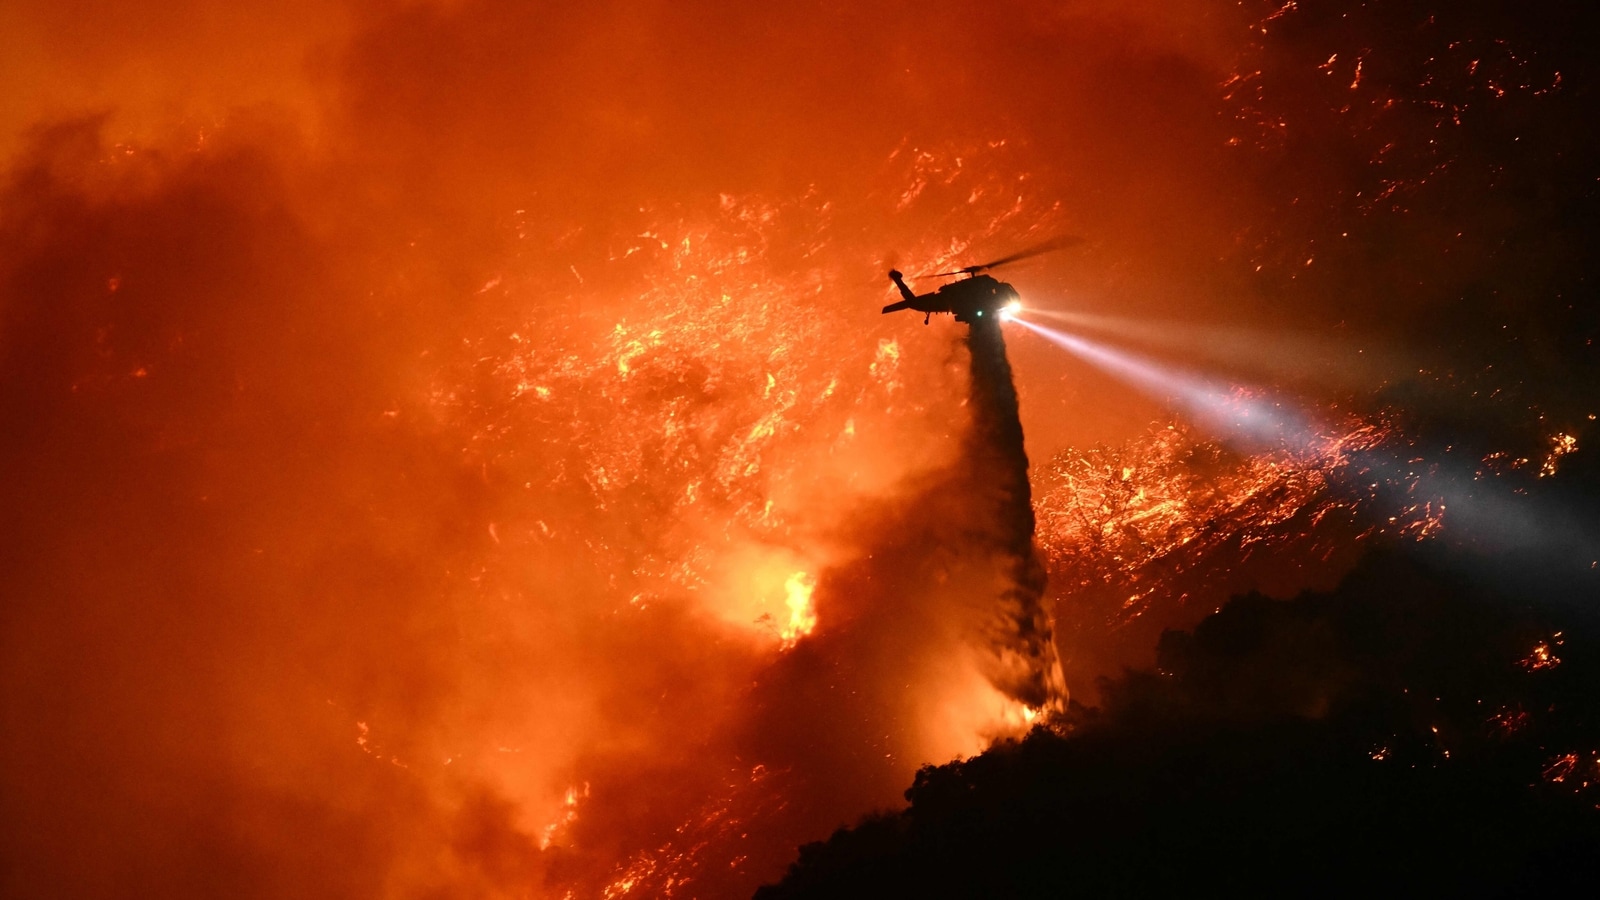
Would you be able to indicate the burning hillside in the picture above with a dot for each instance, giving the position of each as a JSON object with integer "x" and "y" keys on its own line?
{"x": 453, "y": 448}
{"x": 1161, "y": 531}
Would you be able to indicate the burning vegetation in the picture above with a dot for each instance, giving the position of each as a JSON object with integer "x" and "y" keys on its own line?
{"x": 454, "y": 449}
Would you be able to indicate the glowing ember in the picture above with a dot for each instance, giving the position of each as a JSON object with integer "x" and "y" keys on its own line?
{"x": 1560, "y": 445}
{"x": 1508, "y": 722}
{"x": 1577, "y": 771}
{"x": 1542, "y": 657}
{"x": 1561, "y": 768}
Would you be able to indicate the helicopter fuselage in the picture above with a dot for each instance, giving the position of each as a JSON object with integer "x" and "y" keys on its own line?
{"x": 970, "y": 299}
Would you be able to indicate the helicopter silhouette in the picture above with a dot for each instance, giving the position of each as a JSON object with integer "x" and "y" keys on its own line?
{"x": 975, "y": 297}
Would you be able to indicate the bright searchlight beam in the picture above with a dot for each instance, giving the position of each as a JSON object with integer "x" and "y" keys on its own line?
{"x": 1483, "y": 510}
{"x": 1222, "y": 407}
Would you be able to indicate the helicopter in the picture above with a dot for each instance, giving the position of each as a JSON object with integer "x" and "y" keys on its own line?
{"x": 975, "y": 297}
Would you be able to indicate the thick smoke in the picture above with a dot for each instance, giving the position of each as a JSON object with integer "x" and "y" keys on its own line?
{"x": 416, "y": 413}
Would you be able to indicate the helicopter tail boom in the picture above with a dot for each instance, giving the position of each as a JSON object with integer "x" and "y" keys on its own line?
{"x": 900, "y": 282}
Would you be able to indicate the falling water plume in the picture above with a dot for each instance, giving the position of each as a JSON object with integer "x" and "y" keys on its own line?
{"x": 996, "y": 461}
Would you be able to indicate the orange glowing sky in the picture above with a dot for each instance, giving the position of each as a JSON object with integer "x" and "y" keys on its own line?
{"x": 457, "y": 450}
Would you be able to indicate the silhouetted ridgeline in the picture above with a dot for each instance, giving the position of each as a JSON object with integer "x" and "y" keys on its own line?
{"x": 1407, "y": 732}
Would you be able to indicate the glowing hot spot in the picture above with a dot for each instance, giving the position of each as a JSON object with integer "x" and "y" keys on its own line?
{"x": 802, "y": 615}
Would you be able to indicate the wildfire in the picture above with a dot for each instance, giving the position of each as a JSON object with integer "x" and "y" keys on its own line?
{"x": 697, "y": 428}
{"x": 802, "y": 614}
{"x": 1121, "y": 517}
{"x": 569, "y": 815}
{"x": 538, "y": 409}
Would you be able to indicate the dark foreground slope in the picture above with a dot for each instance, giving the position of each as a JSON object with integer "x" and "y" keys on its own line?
{"x": 1412, "y": 730}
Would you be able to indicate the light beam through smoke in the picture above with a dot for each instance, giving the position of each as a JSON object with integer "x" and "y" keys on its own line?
{"x": 1481, "y": 510}
{"x": 1229, "y": 411}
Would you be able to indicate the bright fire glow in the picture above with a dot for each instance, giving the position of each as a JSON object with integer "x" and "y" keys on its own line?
{"x": 533, "y": 412}
{"x": 802, "y": 613}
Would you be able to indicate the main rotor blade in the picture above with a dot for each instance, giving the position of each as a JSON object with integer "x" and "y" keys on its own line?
{"x": 1057, "y": 243}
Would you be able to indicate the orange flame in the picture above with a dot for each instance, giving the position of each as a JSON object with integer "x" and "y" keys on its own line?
{"x": 802, "y": 614}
